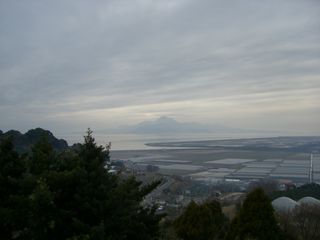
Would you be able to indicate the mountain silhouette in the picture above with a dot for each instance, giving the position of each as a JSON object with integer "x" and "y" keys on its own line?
{"x": 23, "y": 142}
{"x": 170, "y": 125}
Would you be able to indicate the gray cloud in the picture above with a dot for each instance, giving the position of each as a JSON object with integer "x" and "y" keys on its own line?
{"x": 80, "y": 63}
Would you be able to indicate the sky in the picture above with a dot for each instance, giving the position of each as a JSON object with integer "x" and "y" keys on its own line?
{"x": 69, "y": 65}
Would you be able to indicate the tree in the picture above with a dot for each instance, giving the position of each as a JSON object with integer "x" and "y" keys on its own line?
{"x": 256, "y": 219}
{"x": 202, "y": 222}
{"x": 13, "y": 201}
{"x": 306, "y": 219}
{"x": 107, "y": 207}
{"x": 42, "y": 212}
{"x": 301, "y": 223}
{"x": 70, "y": 195}
{"x": 42, "y": 158}
{"x": 268, "y": 185}
{"x": 287, "y": 225}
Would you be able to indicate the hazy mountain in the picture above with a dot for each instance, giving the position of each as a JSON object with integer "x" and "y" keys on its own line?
{"x": 23, "y": 142}
{"x": 170, "y": 125}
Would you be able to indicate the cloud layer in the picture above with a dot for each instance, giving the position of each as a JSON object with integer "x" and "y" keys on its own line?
{"x": 66, "y": 65}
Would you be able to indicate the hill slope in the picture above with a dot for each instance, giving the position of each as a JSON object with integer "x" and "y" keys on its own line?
{"x": 23, "y": 142}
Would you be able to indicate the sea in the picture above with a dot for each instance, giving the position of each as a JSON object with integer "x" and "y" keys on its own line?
{"x": 138, "y": 141}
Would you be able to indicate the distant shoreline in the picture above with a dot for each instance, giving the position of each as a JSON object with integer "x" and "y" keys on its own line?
{"x": 281, "y": 142}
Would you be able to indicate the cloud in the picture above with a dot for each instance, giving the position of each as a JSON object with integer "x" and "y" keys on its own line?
{"x": 92, "y": 62}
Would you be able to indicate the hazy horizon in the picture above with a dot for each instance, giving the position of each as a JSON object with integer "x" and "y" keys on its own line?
{"x": 69, "y": 65}
{"x": 134, "y": 137}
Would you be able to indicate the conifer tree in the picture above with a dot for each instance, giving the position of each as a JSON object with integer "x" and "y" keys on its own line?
{"x": 13, "y": 202}
{"x": 256, "y": 219}
{"x": 70, "y": 195}
{"x": 202, "y": 222}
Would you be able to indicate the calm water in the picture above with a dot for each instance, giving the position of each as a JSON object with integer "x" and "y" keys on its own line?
{"x": 137, "y": 141}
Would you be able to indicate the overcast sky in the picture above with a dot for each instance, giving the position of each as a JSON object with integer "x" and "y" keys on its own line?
{"x": 69, "y": 65}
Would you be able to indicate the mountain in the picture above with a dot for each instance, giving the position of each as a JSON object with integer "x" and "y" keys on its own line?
{"x": 23, "y": 142}
{"x": 170, "y": 125}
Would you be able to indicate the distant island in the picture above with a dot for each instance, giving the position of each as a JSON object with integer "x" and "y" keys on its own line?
{"x": 168, "y": 125}
{"x": 23, "y": 142}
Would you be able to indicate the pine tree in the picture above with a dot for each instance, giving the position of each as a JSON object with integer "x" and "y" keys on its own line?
{"x": 256, "y": 219}
{"x": 202, "y": 222}
{"x": 13, "y": 201}
{"x": 70, "y": 195}
{"x": 94, "y": 203}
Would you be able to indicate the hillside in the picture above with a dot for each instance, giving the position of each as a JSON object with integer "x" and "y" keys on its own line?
{"x": 23, "y": 142}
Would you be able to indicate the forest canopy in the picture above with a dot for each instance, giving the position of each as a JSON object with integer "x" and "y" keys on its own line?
{"x": 70, "y": 195}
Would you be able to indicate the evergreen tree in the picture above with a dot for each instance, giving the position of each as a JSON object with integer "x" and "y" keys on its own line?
{"x": 42, "y": 212}
{"x": 13, "y": 201}
{"x": 256, "y": 219}
{"x": 70, "y": 195}
{"x": 202, "y": 222}
{"x": 41, "y": 158}
{"x": 97, "y": 204}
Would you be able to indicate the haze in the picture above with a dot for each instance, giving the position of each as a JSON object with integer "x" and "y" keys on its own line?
{"x": 69, "y": 65}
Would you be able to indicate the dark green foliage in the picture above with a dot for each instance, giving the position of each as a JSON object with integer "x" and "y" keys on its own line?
{"x": 167, "y": 231}
{"x": 202, "y": 222}
{"x": 42, "y": 158}
{"x": 13, "y": 202}
{"x": 256, "y": 219}
{"x": 24, "y": 142}
{"x": 307, "y": 190}
{"x": 42, "y": 212}
{"x": 70, "y": 195}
